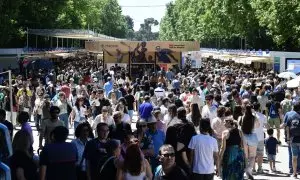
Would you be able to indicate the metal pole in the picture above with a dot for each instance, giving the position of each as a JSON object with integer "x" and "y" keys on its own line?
{"x": 51, "y": 42}
{"x": 27, "y": 39}
{"x": 36, "y": 41}
{"x": 10, "y": 96}
{"x": 62, "y": 42}
{"x": 67, "y": 43}
{"x": 56, "y": 42}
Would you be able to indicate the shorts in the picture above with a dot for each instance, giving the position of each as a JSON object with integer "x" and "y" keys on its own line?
{"x": 260, "y": 148}
{"x": 295, "y": 148}
{"x": 271, "y": 157}
{"x": 274, "y": 122}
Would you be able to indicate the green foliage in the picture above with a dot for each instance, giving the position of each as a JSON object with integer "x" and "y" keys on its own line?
{"x": 104, "y": 16}
{"x": 272, "y": 24}
{"x": 145, "y": 32}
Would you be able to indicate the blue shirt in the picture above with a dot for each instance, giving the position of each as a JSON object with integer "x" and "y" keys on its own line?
{"x": 145, "y": 110}
{"x": 271, "y": 144}
{"x": 158, "y": 138}
{"x": 176, "y": 84}
{"x": 108, "y": 86}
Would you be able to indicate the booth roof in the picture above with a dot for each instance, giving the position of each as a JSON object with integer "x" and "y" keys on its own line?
{"x": 72, "y": 34}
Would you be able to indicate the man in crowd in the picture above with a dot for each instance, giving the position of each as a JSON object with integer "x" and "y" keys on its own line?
{"x": 204, "y": 153}
{"x": 58, "y": 159}
{"x": 168, "y": 168}
{"x": 95, "y": 150}
{"x": 119, "y": 129}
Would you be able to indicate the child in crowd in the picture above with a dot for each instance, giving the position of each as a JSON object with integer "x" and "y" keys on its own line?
{"x": 271, "y": 149}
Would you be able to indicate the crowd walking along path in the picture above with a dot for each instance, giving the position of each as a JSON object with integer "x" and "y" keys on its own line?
{"x": 281, "y": 158}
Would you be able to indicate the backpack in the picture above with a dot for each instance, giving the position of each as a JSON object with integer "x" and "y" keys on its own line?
{"x": 272, "y": 112}
{"x": 295, "y": 127}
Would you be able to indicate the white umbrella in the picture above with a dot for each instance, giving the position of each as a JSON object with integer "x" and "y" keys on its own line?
{"x": 293, "y": 83}
{"x": 287, "y": 75}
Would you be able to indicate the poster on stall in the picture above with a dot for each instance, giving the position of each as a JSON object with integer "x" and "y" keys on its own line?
{"x": 196, "y": 61}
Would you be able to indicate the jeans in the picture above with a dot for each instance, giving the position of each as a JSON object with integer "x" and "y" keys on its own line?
{"x": 290, "y": 159}
{"x": 75, "y": 125}
{"x": 37, "y": 120}
{"x": 130, "y": 113}
{"x": 65, "y": 118}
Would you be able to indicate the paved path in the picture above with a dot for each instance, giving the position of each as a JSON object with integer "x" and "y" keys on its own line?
{"x": 281, "y": 162}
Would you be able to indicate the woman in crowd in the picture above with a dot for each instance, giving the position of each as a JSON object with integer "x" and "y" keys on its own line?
{"x": 50, "y": 90}
{"x": 248, "y": 123}
{"x": 82, "y": 134}
{"x": 262, "y": 100}
{"x": 217, "y": 124}
{"x": 194, "y": 116}
{"x": 78, "y": 112}
{"x": 135, "y": 167}
{"x": 62, "y": 104}
{"x": 125, "y": 116}
{"x": 145, "y": 142}
{"x": 171, "y": 117}
{"x": 180, "y": 149}
{"x": 231, "y": 156}
{"x": 24, "y": 101}
{"x": 22, "y": 164}
{"x": 104, "y": 117}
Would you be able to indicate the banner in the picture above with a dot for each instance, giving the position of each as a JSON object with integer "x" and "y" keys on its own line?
{"x": 149, "y": 46}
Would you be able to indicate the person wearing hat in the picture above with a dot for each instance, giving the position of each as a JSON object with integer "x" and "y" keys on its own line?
{"x": 158, "y": 139}
{"x": 209, "y": 110}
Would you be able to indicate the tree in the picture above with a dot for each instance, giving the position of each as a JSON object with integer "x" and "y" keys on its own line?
{"x": 229, "y": 23}
{"x": 130, "y": 25}
{"x": 145, "y": 32}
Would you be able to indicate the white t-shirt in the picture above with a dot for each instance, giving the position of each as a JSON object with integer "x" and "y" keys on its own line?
{"x": 260, "y": 130}
{"x": 209, "y": 112}
{"x": 204, "y": 147}
{"x": 100, "y": 118}
{"x": 126, "y": 119}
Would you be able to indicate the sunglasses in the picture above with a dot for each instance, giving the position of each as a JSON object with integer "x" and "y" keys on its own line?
{"x": 143, "y": 126}
{"x": 56, "y": 112}
{"x": 168, "y": 155}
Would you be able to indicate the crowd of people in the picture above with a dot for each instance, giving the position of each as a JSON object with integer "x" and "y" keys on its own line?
{"x": 190, "y": 124}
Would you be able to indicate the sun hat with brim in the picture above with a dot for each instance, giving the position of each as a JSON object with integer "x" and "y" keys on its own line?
{"x": 151, "y": 120}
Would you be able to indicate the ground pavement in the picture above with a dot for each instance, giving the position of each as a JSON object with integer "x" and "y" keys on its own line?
{"x": 281, "y": 159}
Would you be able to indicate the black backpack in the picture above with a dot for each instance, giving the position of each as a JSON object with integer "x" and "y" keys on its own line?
{"x": 295, "y": 127}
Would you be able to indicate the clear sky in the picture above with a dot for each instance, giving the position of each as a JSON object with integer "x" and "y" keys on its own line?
{"x": 138, "y": 14}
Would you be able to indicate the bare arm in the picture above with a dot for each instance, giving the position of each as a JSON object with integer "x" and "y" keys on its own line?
{"x": 43, "y": 169}
{"x": 148, "y": 170}
{"x": 192, "y": 151}
{"x": 20, "y": 174}
{"x": 222, "y": 150}
{"x": 119, "y": 174}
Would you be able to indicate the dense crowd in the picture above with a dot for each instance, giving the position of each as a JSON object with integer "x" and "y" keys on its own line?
{"x": 186, "y": 124}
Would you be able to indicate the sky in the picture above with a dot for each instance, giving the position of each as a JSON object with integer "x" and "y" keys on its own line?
{"x": 138, "y": 14}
